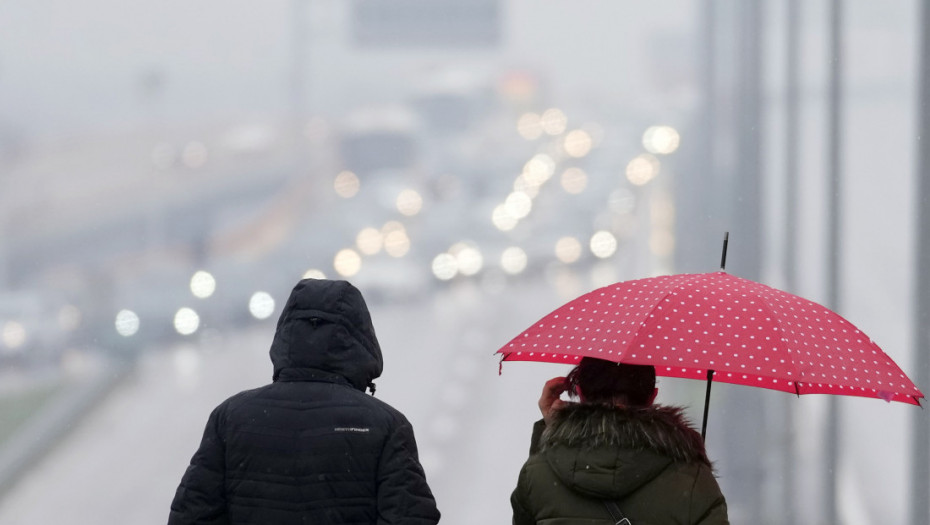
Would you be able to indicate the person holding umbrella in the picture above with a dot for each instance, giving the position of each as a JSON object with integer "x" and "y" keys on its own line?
{"x": 615, "y": 455}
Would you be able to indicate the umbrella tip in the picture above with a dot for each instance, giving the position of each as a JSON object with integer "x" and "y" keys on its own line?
{"x": 723, "y": 257}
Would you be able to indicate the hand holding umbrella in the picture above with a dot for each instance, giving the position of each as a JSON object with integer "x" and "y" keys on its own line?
{"x": 550, "y": 400}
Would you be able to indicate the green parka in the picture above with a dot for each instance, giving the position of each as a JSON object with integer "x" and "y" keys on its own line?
{"x": 648, "y": 460}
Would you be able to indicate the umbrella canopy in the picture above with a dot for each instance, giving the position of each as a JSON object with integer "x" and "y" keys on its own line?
{"x": 737, "y": 330}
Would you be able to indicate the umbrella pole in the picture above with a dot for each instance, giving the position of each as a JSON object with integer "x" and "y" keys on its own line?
{"x": 710, "y": 379}
{"x": 710, "y": 373}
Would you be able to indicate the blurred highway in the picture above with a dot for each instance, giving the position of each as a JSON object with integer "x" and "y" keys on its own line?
{"x": 123, "y": 461}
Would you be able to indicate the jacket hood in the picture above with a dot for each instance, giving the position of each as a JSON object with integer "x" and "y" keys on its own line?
{"x": 608, "y": 452}
{"x": 325, "y": 325}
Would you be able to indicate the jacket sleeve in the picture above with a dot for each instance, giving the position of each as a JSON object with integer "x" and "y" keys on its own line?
{"x": 521, "y": 514}
{"x": 707, "y": 501}
{"x": 200, "y": 497}
{"x": 403, "y": 493}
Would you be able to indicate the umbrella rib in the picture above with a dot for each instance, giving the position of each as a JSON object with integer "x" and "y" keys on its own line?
{"x": 784, "y": 340}
{"x": 669, "y": 292}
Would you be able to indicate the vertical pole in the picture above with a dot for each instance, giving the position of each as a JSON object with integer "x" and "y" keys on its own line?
{"x": 792, "y": 132}
{"x": 834, "y": 244}
{"x": 743, "y": 450}
{"x": 792, "y": 194}
{"x": 920, "y": 441}
{"x": 697, "y": 214}
{"x": 747, "y": 225}
{"x": 749, "y": 218}
{"x": 709, "y": 187}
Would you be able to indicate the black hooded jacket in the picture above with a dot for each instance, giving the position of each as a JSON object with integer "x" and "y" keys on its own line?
{"x": 311, "y": 447}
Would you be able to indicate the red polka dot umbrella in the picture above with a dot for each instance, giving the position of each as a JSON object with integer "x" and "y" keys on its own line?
{"x": 716, "y": 325}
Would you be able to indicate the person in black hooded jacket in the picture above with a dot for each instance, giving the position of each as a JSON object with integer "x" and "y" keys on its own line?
{"x": 311, "y": 447}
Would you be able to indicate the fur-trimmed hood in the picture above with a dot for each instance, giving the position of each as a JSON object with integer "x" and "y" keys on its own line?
{"x": 609, "y": 451}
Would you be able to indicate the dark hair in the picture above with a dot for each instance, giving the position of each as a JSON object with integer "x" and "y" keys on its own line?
{"x": 608, "y": 382}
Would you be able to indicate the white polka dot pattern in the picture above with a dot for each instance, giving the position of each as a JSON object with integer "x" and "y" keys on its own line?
{"x": 747, "y": 332}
